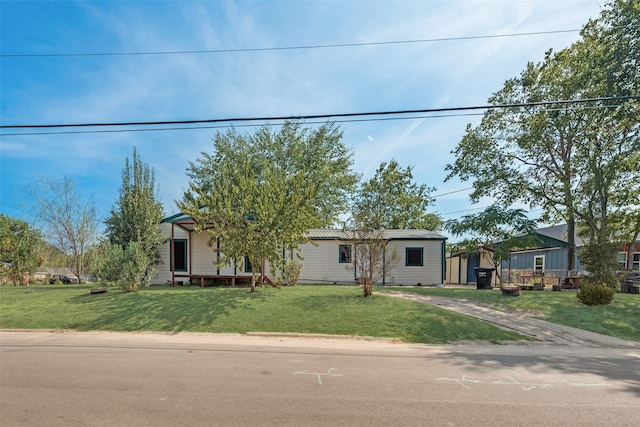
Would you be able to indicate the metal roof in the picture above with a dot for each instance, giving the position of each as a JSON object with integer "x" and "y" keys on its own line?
{"x": 187, "y": 223}
{"x": 559, "y": 232}
{"x": 329, "y": 234}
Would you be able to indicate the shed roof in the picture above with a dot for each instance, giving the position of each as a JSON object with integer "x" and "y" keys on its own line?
{"x": 559, "y": 232}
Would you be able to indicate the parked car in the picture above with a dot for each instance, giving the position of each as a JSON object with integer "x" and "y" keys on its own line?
{"x": 61, "y": 277}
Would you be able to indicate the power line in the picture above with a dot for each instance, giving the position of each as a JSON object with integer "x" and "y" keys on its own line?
{"x": 225, "y": 126}
{"x": 263, "y": 49}
{"x": 325, "y": 116}
{"x": 451, "y": 192}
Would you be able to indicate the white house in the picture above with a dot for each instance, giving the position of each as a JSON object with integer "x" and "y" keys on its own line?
{"x": 189, "y": 256}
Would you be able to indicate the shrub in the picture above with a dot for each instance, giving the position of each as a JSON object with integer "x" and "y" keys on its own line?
{"x": 293, "y": 272}
{"x": 596, "y": 294}
{"x": 133, "y": 273}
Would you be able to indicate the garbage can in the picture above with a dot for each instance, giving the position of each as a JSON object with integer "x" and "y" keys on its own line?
{"x": 483, "y": 277}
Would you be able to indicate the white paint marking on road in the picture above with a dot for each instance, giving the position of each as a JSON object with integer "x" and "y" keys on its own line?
{"x": 460, "y": 381}
{"x": 591, "y": 385}
{"x": 319, "y": 374}
{"x": 525, "y": 386}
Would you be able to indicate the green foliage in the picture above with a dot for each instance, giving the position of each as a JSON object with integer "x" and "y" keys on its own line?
{"x": 261, "y": 193}
{"x": 137, "y": 213}
{"x": 18, "y": 248}
{"x": 133, "y": 270}
{"x": 109, "y": 261}
{"x": 596, "y": 294}
{"x": 599, "y": 258}
{"x": 392, "y": 200}
{"x": 576, "y": 163}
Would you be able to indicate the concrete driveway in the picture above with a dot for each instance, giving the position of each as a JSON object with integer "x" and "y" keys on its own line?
{"x": 519, "y": 322}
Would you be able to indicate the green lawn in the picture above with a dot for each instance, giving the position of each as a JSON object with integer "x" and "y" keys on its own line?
{"x": 619, "y": 319}
{"x": 300, "y": 309}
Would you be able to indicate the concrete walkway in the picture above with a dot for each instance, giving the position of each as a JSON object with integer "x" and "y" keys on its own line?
{"x": 539, "y": 329}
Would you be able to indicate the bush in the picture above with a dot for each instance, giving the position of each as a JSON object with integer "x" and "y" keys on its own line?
{"x": 594, "y": 294}
{"x": 293, "y": 272}
{"x": 133, "y": 272}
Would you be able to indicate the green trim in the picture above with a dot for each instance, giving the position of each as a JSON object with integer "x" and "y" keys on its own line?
{"x": 247, "y": 267}
{"x": 174, "y": 218}
{"x": 186, "y": 254}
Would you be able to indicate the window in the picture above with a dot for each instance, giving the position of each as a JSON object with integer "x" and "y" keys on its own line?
{"x": 538, "y": 263}
{"x": 179, "y": 257}
{"x": 248, "y": 268}
{"x": 414, "y": 257}
{"x": 621, "y": 260}
{"x": 635, "y": 263}
{"x": 344, "y": 254}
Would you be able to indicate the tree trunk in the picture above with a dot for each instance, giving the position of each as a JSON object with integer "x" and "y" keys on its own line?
{"x": 571, "y": 241}
{"x": 630, "y": 250}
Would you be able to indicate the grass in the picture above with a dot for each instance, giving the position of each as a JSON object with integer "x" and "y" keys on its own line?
{"x": 620, "y": 319}
{"x": 301, "y": 309}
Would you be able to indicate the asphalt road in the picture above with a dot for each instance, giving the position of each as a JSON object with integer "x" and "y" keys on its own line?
{"x": 125, "y": 379}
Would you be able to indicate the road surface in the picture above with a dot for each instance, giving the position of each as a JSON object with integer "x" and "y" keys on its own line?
{"x": 124, "y": 379}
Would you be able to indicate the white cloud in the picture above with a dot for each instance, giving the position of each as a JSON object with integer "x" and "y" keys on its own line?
{"x": 283, "y": 82}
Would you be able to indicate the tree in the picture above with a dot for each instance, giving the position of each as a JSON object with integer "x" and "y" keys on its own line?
{"x": 372, "y": 260}
{"x": 19, "y": 244}
{"x": 137, "y": 214}
{"x": 105, "y": 261}
{"x": 577, "y": 163}
{"x": 67, "y": 221}
{"x": 392, "y": 200}
{"x": 497, "y": 230}
{"x": 262, "y": 192}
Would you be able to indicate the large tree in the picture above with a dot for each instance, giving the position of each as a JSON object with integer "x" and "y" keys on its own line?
{"x": 262, "y": 192}
{"x": 578, "y": 162}
{"x": 391, "y": 200}
{"x": 67, "y": 220}
{"x": 137, "y": 213}
{"x": 19, "y": 243}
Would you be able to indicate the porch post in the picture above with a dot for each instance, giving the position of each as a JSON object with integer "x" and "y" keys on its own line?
{"x": 173, "y": 256}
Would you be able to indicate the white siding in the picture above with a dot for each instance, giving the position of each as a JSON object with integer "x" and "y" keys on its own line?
{"x": 321, "y": 264}
{"x": 203, "y": 256}
{"x": 429, "y": 273}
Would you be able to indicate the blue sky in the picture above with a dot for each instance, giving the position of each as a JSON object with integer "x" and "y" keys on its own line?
{"x": 90, "y": 89}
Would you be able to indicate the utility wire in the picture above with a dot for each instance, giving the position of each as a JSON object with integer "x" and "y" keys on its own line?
{"x": 263, "y": 49}
{"x": 451, "y": 192}
{"x": 325, "y": 116}
{"x": 225, "y": 126}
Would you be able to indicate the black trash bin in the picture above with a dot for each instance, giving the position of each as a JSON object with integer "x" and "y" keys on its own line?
{"x": 483, "y": 277}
